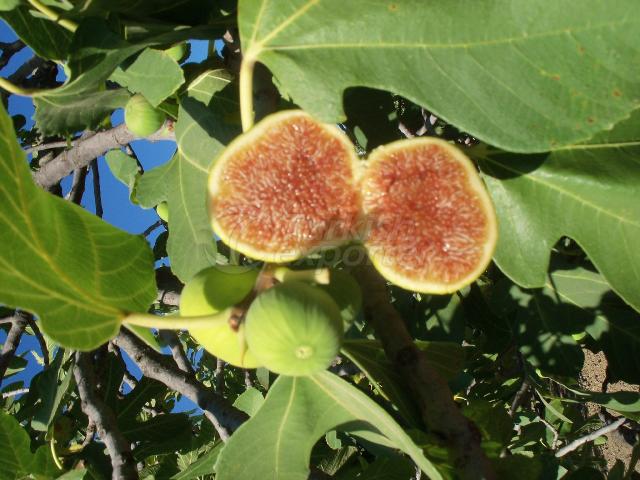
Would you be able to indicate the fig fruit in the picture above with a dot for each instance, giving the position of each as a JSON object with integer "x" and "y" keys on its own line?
{"x": 285, "y": 188}
{"x": 211, "y": 291}
{"x": 294, "y": 329}
{"x": 162, "y": 209}
{"x": 431, "y": 226}
{"x": 141, "y": 118}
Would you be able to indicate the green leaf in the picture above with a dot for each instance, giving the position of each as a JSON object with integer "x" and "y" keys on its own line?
{"x": 77, "y": 474}
{"x": 77, "y": 273}
{"x": 153, "y": 74}
{"x": 75, "y": 112}
{"x": 147, "y": 336}
{"x": 203, "y": 466}
{"x": 16, "y": 460}
{"x": 51, "y": 393}
{"x": 249, "y": 401}
{"x": 565, "y": 77}
{"x": 46, "y": 38}
{"x": 6, "y": 5}
{"x": 582, "y": 192}
{"x": 615, "y": 328}
{"x": 124, "y": 168}
{"x": 201, "y": 131}
{"x": 160, "y": 434}
{"x": 298, "y": 411}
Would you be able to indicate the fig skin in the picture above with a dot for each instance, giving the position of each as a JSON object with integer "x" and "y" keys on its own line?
{"x": 162, "y": 209}
{"x": 294, "y": 329}
{"x": 141, "y": 118}
{"x": 211, "y": 291}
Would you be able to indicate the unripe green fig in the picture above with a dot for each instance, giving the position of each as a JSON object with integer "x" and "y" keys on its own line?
{"x": 211, "y": 291}
{"x": 346, "y": 292}
{"x": 179, "y": 51}
{"x": 141, "y": 118}
{"x": 162, "y": 209}
{"x": 294, "y": 329}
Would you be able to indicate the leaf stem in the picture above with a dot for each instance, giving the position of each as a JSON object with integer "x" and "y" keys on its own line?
{"x": 17, "y": 90}
{"x": 53, "y": 15}
{"x": 171, "y": 322}
{"x": 246, "y": 91}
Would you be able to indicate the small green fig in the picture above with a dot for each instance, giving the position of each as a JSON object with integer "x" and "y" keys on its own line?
{"x": 211, "y": 291}
{"x": 179, "y": 51}
{"x": 294, "y": 329}
{"x": 162, "y": 209}
{"x": 141, "y": 118}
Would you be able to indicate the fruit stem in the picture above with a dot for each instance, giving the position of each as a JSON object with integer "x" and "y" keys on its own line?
{"x": 246, "y": 91}
{"x": 53, "y": 15}
{"x": 176, "y": 322}
{"x": 318, "y": 275}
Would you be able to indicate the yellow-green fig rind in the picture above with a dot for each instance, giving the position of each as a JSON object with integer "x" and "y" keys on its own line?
{"x": 141, "y": 117}
{"x": 285, "y": 188}
{"x": 211, "y": 291}
{"x": 431, "y": 225}
{"x": 294, "y": 329}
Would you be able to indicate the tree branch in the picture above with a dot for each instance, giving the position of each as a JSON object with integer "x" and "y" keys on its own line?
{"x": 84, "y": 151}
{"x": 177, "y": 352}
{"x": 18, "y": 324}
{"x": 433, "y": 396}
{"x": 122, "y": 462}
{"x": 38, "y": 334}
{"x": 97, "y": 195}
{"x": 224, "y": 417}
{"x": 610, "y": 427}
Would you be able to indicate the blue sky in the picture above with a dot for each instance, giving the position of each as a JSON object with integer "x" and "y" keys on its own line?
{"x": 115, "y": 196}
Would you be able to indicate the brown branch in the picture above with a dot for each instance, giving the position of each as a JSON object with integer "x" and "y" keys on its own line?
{"x": 431, "y": 392}
{"x": 168, "y": 297}
{"x": 86, "y": 150}
{"x": 41, "y": 341}
{"x": 9, "y": 49}
{"x": 224, "y": 417}
{"x": 97, "y": 195}
{"x": 122, "y": 462}
{"x": 520, "y": 396}
{"x": 151, "y": 228}
{"x": 177, "y": 352}
{"x": 18, "y": 324}
{"x": 608, "y": 428}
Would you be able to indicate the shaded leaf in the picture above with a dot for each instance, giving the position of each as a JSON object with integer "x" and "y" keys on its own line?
{"x": 249, "y": 401}
{"x": 566, "y": 76}
{"x": 581, "y": 192}
{"x": 76, "y": 272}
{"x": 298, "y": 411}
{"x": 71, "y": 113}
{"x": 203, "y": 466}
{"x": 46, "y": 38}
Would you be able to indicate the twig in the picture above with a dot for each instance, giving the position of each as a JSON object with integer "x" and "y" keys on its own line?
{"x": 168, "y": 297}
{"x": 97, "y": 195}
{"x": 50, "y": 146}
{"x": 126, "y": 376}
{"x": 90, "y": 433}
{"x": 610, "y": 427}
{"x": 224, "y": 417}
{"x": 248, "y": 382}
{"x": 18, "y": 324}
{"x": 92, "y": 405}
{"x": 151, "y": 228}
{"x": 85, "y": 150}
{"x": 218, "y": 376}
{"x": 43, "y": 344}
{"x": 14, "y": 393}
{"x": 77, "y": 186}
{"x": 177, "y": 352}
{"x": 554, "y": 442}
{"x": 9, "y": 49}
{"x": 519, "y": 397}
{"x": 431, "y": 392}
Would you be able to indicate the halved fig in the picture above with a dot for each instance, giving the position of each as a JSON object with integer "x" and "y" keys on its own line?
{"x": 285, "y": 188}
{"x": 430, "y": 224}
